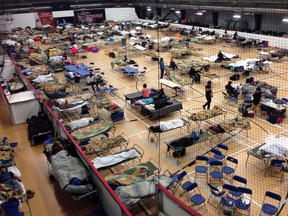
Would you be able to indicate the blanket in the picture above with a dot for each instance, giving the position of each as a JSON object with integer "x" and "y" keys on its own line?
{"x": 101, "y": 162}
{"x": 6, "y": 154}
{"x": 65, "y": 167}
{"x": 8, "y": 192}
{"x": 79, "y": 123}
{"x": 131, "y": 194}
{"x": 169, "y": 125}
{"x": 277, "y": 146}
{"x": 128, "y": 176}
{"x": 232, "y": 124}
{"x": 206, "y": 114}
{"x": 93, "y": 130}
{"x": 103, "y": 145}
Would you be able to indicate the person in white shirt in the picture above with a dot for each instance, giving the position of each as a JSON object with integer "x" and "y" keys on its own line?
{"x": 91, "y": 81}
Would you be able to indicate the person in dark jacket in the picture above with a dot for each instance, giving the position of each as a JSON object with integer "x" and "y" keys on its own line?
{"x": 256, "y": 99}
{"x": 162, "y": 68}
{"x": 231, "y": 90}
{"x": 172, "y": 64}
{"x": 208, "y": 95}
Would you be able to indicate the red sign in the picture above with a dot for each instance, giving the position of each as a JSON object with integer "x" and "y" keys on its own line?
{"x": 45, "y": 18}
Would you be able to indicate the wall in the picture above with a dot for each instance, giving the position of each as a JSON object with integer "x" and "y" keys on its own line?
{"x": 120, "y": 14}
{"x": 21, "y": 20}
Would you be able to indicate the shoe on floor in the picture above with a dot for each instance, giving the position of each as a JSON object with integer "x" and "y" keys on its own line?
{"x": 203, "y": 107}
{"x": 29, "y": 196}
{"x": 30, "y": 192}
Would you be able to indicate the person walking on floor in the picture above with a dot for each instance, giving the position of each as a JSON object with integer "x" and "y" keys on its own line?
{"x": 256, "y": 99}
{"x": 208, "y": 95}
{"x": 162, "y": 68}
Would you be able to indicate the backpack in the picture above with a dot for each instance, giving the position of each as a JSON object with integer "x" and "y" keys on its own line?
{"x": 250, "y": 80}
{"x": 112, "y": 55}
{"x": 179, "y": 152}
{"x": 235, "y": 77}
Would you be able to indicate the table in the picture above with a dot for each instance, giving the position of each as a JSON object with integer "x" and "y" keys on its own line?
{"x": 81, "y": 70}
{"x": 170, "y": 84}
{"x": 130, "y": 71}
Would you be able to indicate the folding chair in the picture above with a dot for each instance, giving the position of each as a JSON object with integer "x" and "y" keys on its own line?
{"x": 201, "y": 168}
{"x": 177, "y": 180}
{"x": 238, "y": 181}
{"x": 243, "y": 204}
{"x": 187, "y": 188}
{"x": 217, "y": 192}
{"x": 223, "y": 149}
{"x": 276, "y": 168}
{"x": 229, "y": 167}
{"x": 197, "y": 199}
{"x": 270, "y": 208}
{"x": 215, "y": 154}
{"x": 227, "y": 201}
{"x": 112, "y": 90}
{"x": 215, "y": 171}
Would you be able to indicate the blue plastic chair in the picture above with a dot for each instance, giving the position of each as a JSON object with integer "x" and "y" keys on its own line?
{"x": 230, "y": 167}
{"x": 215, "y": 153}
{"x": 276, "y": 166}
{"x": 240, "y": 204}
{"x": 201, "y": 168}
{"x": 197, "y": 199}
{"x": 238, "y": 180}
{"x": 269, "y": 208}
{"x": 187, "y": 187}
{"x": 215, "y": 171}
{"x": 222, "y": 148}
{"x": 214, "y": 191}
{"x": 177, "y": 180}
{"x": 227, "y": 200}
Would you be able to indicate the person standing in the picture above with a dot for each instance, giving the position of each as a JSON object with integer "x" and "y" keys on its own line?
{"x": 208, "y": 95}
{"x": 162, "y": 68}
{"x": 256, "y": 99}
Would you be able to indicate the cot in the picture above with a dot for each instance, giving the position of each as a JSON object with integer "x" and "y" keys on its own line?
{"x": 93, "y": 130}
{"x": 122, "y": 157}
{"x": 204, "y": 115}
{"x": 101, "y": 145}
{"x": 178, "y": 144}
{"x": 134, "y": 174}
{"x": 274, "y": 147}
{"x": 228, "y": 126}
{"x": 137, "y": 192}
{"x": 163, "y": 127}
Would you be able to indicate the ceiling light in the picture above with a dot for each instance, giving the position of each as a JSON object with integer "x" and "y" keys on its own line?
{"x": 199, "y": 13}
{"x": 285, "y": 20}
{"x": 178, "y": 12}
{"x": 236, "y": 16}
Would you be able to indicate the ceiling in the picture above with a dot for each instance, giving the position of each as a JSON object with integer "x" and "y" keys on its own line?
{"x": 260, "y": 6}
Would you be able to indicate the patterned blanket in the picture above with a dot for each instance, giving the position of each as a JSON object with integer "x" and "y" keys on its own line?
{"x": 206, "y": 114}
{"x": 128, "y": 176}
{"x": 93, "y": 130}
{"x": 232, "y": 124}
{"x": 7, "y": 192}
{"x": 6, "y": 154}
{"x": 103, "y": 145}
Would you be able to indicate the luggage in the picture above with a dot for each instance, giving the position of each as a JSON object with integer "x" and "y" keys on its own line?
{"x": 235, "y": 77}
{"x": 179, "y": 152}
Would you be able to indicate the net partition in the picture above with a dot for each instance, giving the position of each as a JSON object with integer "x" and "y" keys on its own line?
{"x": 168, "y": 204}
{"x": 109, "y": 201}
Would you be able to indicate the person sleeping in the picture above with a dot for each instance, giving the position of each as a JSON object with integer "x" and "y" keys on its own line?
{"x": 9, "y": 179}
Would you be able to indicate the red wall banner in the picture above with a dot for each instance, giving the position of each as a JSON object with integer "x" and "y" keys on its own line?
{"x": 45, "y": 18}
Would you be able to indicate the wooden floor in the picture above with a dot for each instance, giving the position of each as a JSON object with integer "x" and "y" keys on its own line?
{"x": 50, "y": 200}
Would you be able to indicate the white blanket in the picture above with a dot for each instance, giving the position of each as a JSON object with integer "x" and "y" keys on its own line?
{"x": 81, "y": 103}
{"x": 277, "y": 146}
{"x": 164, "y": 126}
{"x": 215, "y": 57}
{"x": 80, "y": 123}
{"x": 44, "y": 78}
{"x": 109, "y": 160}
